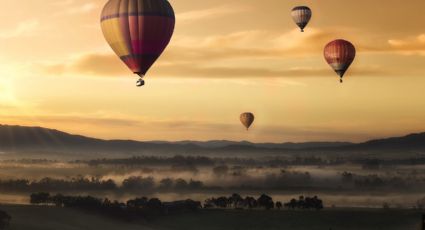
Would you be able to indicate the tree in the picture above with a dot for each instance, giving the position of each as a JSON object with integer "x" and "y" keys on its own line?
{"x": 291, "y": 204}
{"x": 266, "y": 202}
{"x": 222, "y": 202}
{"x": 305, "y": 203}
{"x": 166, "y": 183}
{"x": 181, "y": 184}
{"x": 133, "y": 183}
{"x": 154, "y": 204}
{"x": 236, "y": 200}
{"x": 279, "y": 205}
{"x": 40, "y": 198}
{"x": 137, "y": 203}
{"x": 250, "y": 202}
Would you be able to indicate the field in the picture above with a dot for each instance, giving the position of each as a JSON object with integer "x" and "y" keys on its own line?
{"x": 50, "y": 218}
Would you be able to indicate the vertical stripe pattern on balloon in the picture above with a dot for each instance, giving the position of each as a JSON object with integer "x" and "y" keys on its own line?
{"x": 138, "y": 30}
{"x": 340, "y": 54}
{"x": 301, "y": 16}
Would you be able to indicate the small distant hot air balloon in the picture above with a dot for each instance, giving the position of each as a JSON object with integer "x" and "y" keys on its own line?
{"x": 301, "y": 16}
{"x": 247, "y": 119}
{"x": 138, "y": 31}
{"x": 340, "y": 54}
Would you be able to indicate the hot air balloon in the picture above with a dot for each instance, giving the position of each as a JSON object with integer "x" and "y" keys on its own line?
{"x": 301, "y": 16}
{"x": 247, "y": 119}
{"x": 138, "y": 31}
{"x": 340, "y": 54}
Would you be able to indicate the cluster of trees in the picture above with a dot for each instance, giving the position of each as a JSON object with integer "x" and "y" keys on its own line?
{"x": 313, "y": 203}
{"x": 376, "y": 181}
{"x": 152, "y": 160}
{"x": 135, "y": 208}
{"x": 51, "y": 184}
{"x": 29, "y": 161}
{"x": 96, "y": 184}
{"x": 216, "y": 161}
{"x": 367, "y": 163}
{"x": 238, "y": 202}
{"x": 263, "y": 202}
{"x": 5, "y": 219}
{"x": 273, "y": 181}
{"x": 147, "y": 208}
{"x": 375, "y": 164}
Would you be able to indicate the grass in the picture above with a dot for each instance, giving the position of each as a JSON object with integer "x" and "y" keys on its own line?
{"x": 51, "y": 218}
{"x": 360, "y": 219}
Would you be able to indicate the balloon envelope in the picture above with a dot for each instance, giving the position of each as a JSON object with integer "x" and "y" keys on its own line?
{"x": 138, "y": 30}
{"x": 301, "y": 16}
{"x": 340, "y": 54}
{"x": 247, "y": 119}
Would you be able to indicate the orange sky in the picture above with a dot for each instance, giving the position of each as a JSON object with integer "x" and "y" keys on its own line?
{"x": 226, "y": 57}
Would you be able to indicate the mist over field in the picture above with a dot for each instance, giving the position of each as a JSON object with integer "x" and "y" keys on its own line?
{"x": 339, "y": 182}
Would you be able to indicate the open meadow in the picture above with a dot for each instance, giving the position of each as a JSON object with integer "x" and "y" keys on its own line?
{"x": 52, "y": 218}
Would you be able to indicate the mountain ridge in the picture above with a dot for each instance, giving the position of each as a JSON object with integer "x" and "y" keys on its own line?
{"x": 23, "y": 138}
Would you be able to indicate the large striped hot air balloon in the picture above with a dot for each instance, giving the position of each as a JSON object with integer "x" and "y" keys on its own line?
{"x": 138, "y": 31}
{"x": 340, "y": 54}
{"x": 247, "y": 119}
{"x": 301, "y": 16}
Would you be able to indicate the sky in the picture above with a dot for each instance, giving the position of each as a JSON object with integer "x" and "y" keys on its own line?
{"x": 225, "y": 58}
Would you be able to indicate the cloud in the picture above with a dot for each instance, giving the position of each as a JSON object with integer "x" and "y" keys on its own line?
{"x": 196, "y": 15}
{"x": 83, "y": 8}
{"x": 252, "y": 44}
{"x": 209, "y": 57}
{"x": 25, "y": 28}
{"x": 409, "y": 46}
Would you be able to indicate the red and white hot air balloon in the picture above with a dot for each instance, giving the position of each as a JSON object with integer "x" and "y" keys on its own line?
{"x": 340, "y": 54}
{"x": 138, "y": 31}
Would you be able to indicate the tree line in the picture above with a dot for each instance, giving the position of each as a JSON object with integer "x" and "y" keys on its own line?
{"x": 264, "y": 201}
{"x": 132, "y": 209}
{"x": 211, "y": 161}
{"x": 134, "y": 183}
{"x": 144, "y": 207}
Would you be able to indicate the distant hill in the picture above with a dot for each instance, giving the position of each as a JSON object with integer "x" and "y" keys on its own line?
{"x": 24, "y": 137}
{"x": 408, "y": 142}
{"x": 37, "y": 139}
{"x": 285, "y": 145}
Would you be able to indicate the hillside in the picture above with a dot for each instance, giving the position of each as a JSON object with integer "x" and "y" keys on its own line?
{"x": 38, "y": 139}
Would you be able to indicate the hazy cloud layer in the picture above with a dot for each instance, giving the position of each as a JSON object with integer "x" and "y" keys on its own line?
{"x": 208, "y": 57}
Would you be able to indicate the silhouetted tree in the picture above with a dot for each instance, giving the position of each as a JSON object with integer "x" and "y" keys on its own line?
{"x": 138, "y": 202}
{"x": 279, "y": 205}
{"x": 40, "y": 198}
{"x": 235, "y": 200}
{"x": 166, "y": 183}
{"x": 138, "y": 183}
{"x": 305, "y": 203}
{"x": 266, "y": 202}
{"x": 250, "y": 202}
